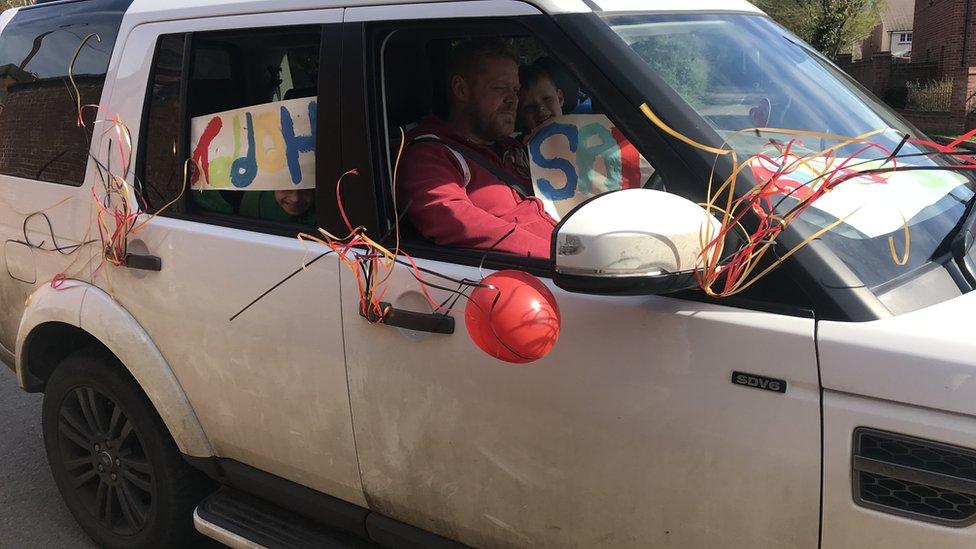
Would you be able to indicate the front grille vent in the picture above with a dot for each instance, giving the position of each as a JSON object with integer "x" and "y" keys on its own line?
{"x": 914, "y": 478}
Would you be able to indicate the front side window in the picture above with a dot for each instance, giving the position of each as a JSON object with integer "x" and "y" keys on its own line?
{"x": 501, "y": 140}
{"x": 742, "y": 72}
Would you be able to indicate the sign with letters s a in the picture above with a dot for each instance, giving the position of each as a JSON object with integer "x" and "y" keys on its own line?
{"x": 258, "y": 148}
{"x": 578, "y": 156}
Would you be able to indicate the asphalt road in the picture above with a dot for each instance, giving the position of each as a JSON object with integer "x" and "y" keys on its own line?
{"x": 31, "y": 511}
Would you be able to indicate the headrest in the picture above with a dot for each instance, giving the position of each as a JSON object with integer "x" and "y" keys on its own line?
{"x": 408, "y": 80}
{"x": 295, "y": 93}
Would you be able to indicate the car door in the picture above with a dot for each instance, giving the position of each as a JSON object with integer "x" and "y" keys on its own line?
{"x": 632, "y": 432}
{"x": 267, "y": 384}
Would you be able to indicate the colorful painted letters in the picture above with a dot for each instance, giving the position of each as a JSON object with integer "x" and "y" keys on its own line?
{"x": 262, "y": 147}
{"x": 574, "y": 157}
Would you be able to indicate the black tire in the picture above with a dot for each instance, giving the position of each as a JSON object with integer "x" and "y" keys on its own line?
{"x": 134, "y": 490}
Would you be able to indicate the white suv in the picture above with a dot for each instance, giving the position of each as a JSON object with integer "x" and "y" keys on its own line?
{"x": 830, "y": 405}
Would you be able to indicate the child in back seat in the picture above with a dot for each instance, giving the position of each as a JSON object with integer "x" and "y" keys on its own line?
{"x": 293, "y": 205}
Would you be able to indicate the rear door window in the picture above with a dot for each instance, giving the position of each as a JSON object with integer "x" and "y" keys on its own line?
{"x": 247, "y": 124}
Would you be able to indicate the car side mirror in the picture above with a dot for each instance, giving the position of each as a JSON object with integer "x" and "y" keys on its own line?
{"x": 630, "y": 242}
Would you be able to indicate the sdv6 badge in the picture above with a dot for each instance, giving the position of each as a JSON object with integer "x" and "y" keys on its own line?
{"x": 759, "y": 382}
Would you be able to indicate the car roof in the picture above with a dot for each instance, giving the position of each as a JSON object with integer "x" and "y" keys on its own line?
{"x": 198, "y": 8}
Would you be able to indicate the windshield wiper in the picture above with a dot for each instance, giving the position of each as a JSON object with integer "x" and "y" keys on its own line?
{"x": 963, "y": 241}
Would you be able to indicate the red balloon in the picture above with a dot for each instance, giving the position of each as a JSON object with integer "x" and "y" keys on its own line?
{"x": 513, "y": 317}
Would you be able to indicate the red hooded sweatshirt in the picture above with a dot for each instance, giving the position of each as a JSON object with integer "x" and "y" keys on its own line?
{"x": 454, "y": 201}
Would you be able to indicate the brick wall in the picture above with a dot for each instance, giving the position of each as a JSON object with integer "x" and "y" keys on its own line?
{"x": 39, "y": 135}
{"x": 944, "y": 45}
{"x": 872, "y": 72}
{"x": 901, "y": 73}
{"x": 886, "y": 78}
{"x": 938, "y": 34}
{"x": 859, "y": 70}
{"x": 946, "y": 35}
{"x": 936, "y": 122}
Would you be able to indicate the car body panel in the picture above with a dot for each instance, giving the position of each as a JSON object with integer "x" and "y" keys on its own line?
{"x": 46, "y": 304}
{"x": 913, "y": 374}
{"x": 69, "y": 211}
{"x": 104, "y": 318}
{"x": 847, "y": 525}
{"x": 925, "y": 357}
{"x": 150, "y": 10}
{"x": 629, "y": 434}
{"x": 268, "y": 387}
{"x": 632, "y": 433}
{"x": 86, "y": 307}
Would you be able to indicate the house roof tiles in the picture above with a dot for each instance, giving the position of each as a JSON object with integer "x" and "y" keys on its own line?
{"x": 900, "y": 15}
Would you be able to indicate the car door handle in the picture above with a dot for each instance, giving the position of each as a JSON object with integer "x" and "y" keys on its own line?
{"x": 144, "y": 262}
{"x": 412, "y": 320}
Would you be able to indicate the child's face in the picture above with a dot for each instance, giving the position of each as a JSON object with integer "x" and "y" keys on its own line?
{"x": 295, "y": 202}
{"x": 538, "y": 103}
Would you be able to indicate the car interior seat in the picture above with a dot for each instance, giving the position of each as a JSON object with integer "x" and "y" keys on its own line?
{"x": 408, "y": 85}
{"x": 409, "y": 92}
{"x": 296, "y": 93}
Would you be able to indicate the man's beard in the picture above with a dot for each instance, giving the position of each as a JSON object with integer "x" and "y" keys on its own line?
{"x": 488, "y": 128}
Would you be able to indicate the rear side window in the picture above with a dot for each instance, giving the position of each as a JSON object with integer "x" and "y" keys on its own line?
{"x": 245, "y": 117}
{"x": 162, "y": 174}
{"x": 39, "y": 135}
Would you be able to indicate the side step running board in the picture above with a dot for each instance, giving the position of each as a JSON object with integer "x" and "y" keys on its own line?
{"x": 242, "y": 521}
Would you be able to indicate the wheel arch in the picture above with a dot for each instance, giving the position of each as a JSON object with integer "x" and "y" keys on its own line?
{"x": 77, "y": 315}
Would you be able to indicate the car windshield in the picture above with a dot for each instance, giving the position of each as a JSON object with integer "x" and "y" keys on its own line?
{"x": 740, "y": 72}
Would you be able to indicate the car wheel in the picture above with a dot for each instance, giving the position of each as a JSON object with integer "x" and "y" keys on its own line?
{"x": 114, "y": 461}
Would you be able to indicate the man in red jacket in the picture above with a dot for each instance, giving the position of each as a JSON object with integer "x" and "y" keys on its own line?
{"x": 464, "y": 180}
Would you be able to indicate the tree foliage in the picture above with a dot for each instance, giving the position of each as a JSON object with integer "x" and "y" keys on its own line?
{"x": 831, "y": 26}
{"x": 5, "y": 4}
{"x": 679, "y": 62}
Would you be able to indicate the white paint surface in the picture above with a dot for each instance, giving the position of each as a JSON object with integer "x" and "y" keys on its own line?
{"x": 629, "y": 434}
{"x": 926, "y": 357}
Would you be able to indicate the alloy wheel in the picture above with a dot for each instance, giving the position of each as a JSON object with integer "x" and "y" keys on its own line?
{"x": 105, "y": 461}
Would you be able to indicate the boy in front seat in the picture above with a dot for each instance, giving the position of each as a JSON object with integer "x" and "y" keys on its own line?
{"x": 538, "y": 100}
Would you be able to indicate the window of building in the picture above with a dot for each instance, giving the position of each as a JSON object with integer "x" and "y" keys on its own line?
{"x": 905, "y": 38}
{"x": 247, "y": 124}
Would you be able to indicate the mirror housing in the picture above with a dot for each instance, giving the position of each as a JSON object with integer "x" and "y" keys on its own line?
{"x": 630, "y": 242}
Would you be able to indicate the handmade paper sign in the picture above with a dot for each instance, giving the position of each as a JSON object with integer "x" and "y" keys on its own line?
{"x": 578, "y": 156}
{"x": 265, "y": 147}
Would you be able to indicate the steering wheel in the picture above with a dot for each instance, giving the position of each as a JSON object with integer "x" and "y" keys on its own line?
{"x": 769, "y": 113}
{"x": 779, "y": 114}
